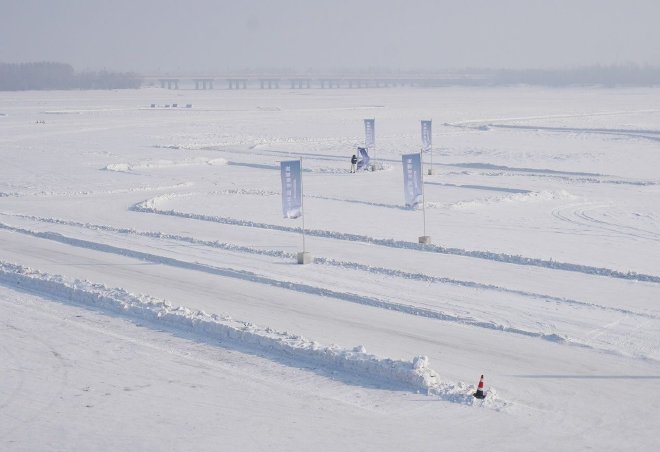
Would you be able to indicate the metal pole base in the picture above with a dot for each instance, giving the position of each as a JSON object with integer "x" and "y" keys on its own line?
{"x": 425, "y": 239}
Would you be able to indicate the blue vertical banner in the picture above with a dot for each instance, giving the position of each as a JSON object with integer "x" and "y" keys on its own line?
{"x": 370, "y": 133}
{"x": 412, "y": 179}
{"x": 427, "y": 140}
{"x": 291, "y": 172}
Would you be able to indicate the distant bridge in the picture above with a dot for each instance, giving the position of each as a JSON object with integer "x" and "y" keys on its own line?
{"x": 296, "y": 81}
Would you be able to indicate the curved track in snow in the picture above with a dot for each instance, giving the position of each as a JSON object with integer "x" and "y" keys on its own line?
{"x": 653, "y": 135}
{"x": 589, "y": 216}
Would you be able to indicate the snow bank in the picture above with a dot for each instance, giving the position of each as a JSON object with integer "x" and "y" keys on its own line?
{"x": 415, "y": 375}
{"x": 246, "y": 191}
{"x": 530, "y": 197}
{"x": 131, "y": 189}
{"x": 62, "y": 112}
{"x": 155, "y": 202}
{"x": 119, "y": 167}
{"x": 163, "y": 164}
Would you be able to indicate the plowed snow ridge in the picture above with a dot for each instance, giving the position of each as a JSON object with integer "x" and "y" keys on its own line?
{"x": 413, "y": 375}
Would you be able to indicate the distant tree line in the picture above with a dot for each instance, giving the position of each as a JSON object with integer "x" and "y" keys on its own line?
{"x": 609, "y": 76}
{"x": 49, "y": 75}
{"x": 606, "y": 76}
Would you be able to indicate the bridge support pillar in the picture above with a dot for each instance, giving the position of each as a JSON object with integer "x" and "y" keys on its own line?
{"x": 203, "y": 83}
{"x": 331, "y": 83}
{"x": 169, "y": 83}
{"x": 300, "y": 83}
{"x": 270, "y": 83}
{"x": 237, "y": 83}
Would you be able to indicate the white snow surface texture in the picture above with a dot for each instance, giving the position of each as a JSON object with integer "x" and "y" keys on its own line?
{"x": 152, "y": 300}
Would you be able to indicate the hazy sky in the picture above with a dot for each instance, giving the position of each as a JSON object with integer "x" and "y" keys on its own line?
{"x": 151, "y": 36}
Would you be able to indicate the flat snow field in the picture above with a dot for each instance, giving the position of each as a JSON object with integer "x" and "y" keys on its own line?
{"x": 151, "y": 298}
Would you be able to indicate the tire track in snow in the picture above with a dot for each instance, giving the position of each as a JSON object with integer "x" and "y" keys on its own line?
{"x": 57, "y": 367}
{"x": 11, "y": 363}
{"x": 579, "y": 215}
{"x": 477, "y": 122}
{"x": 652, "y": 135}
{"x": 620, "y": 228}
{"x": 572, "y": 176}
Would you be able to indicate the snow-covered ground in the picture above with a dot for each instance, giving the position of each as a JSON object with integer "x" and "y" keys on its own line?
{"x": 151, "y": 298}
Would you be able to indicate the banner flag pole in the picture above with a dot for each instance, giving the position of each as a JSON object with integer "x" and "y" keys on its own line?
{"x": 292, "y": 199}
{"x": 303, "y": 257}
{"x": 424, "y": 239}
{"x": 370, "y": 137}
{"x": 302, "y": 205}
{"x": 413, "y": 186}
{"x": 427, "y": 140}
{"x": 423, "y": 198}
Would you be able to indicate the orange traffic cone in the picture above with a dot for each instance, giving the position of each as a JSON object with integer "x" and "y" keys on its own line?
{"x": 480, "y": 389}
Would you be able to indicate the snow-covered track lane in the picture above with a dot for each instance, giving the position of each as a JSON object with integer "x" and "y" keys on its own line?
{"x": 147, "y": 207}
{"x": 547, "y": 325}
{"x": 252, "y": 277}
{"x": 330, "y": 262}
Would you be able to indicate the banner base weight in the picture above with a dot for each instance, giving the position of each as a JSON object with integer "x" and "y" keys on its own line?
{"x": 305, "y": 257}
